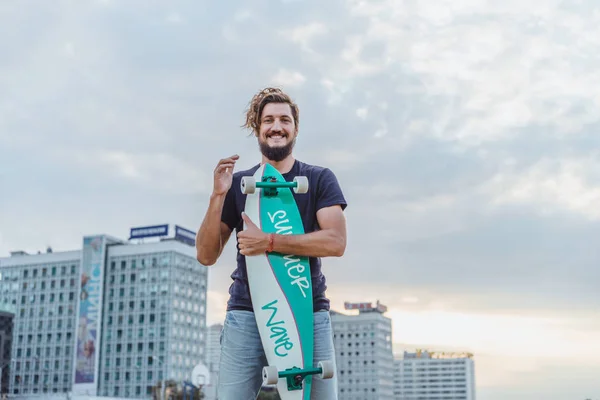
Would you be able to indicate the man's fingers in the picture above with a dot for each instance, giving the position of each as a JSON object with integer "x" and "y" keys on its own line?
{"x": 223, "y": 167}
{"x": 247, "y": 219}
{"x": 246, "y": 252}
{"x": 225, "y": 162}
{"x": 233, "y": 159}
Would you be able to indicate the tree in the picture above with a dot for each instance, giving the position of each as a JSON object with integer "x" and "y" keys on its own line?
{"x": 173, "y": 391}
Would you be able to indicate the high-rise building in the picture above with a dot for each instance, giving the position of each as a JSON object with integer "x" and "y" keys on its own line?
{"x": 213, "y": 356}
{"x": 213, "y": 347}
{"x": 435, "y": 375}
{"x": 364, "y": 357}
{"x": 43, "y": 290}
{"x": 112, "y": 319}
{"x": 6, "y": 336}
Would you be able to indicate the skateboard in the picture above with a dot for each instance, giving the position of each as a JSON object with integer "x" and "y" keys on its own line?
{"x": 281, "y": 288}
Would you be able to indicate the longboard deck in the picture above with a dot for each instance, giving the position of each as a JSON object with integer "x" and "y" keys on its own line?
{"x": 280, "y": 286}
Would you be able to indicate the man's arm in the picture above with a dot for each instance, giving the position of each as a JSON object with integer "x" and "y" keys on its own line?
{"x": 330, "y": 241}
{"x": 213, "y": 234}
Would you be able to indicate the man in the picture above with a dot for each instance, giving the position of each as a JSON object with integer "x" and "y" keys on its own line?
{"x": 273, "y": 118}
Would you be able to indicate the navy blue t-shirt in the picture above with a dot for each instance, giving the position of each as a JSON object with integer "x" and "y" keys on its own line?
{"x": 323, "y": 191}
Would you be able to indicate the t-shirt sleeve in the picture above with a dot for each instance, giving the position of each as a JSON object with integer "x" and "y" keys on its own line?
{"x": 230, "y": 214}
{"x": 329, "y": 192}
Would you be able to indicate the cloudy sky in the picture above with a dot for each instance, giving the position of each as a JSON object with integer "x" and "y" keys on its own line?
{"x": 464, "y": 134}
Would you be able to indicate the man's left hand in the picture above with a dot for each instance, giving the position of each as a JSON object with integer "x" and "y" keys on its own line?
{"x": 252, "y": 241}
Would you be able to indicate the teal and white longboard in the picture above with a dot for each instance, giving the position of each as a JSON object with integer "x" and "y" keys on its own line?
{"x": 281, "y": 288}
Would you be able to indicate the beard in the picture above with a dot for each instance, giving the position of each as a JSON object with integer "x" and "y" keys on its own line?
{"x": 276, "y": 153}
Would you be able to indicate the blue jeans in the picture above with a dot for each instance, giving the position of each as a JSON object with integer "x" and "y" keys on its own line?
{"x": 242, "y": 358}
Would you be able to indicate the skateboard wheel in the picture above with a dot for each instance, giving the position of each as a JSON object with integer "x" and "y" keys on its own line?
{"x": 326, "y": 369}
{"x": 248, "y": 185}
{"x": 302, "y": 182}
{"x": 270, "y": 375}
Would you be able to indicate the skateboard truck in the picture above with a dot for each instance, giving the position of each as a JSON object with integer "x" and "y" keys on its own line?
{"x": 295, "y": 376}
{"x": 270, "y": 191}
{"x": 270, "y": 185}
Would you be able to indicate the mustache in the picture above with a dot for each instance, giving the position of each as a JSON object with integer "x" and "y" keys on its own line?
{"x": 276, "y": 153}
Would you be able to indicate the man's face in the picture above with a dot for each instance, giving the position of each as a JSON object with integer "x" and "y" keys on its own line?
{"x": 277, "y": 132}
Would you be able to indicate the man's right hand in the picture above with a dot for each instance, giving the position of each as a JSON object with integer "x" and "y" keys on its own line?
{"x": 224, "y": 175}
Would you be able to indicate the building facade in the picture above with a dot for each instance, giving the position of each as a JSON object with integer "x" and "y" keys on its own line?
{"x": 6, "y": 337}
{"x": 435, "y": 375}
{"x": 43, "y": 290}
{"x": 213, "y": 356}
{"x": 364, "y": 357}
{"x": 112, "y": 319}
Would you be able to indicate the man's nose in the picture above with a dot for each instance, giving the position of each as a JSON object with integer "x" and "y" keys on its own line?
{"x": 276, "y": 126}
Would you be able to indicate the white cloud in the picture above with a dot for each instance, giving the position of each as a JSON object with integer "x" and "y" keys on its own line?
{"x": 403, "y": 216}
{"x": 381, "y": 132}
{"x": 336, "y": 90}
{"x": 174, "y": 18}
{"x": 305, "y": 34}
{"x": 343, "y": 159}
{"x": 493, "y": 68}
{"x": 161, "y": 171}
{"x": 549, "y": 186}
{"x": 243, "y": 15}
{"x": 362, "y": 113}
{"x": 69, "y": 49}
{"x": 354, "y": 64}
{"x": 288, "y": 78}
